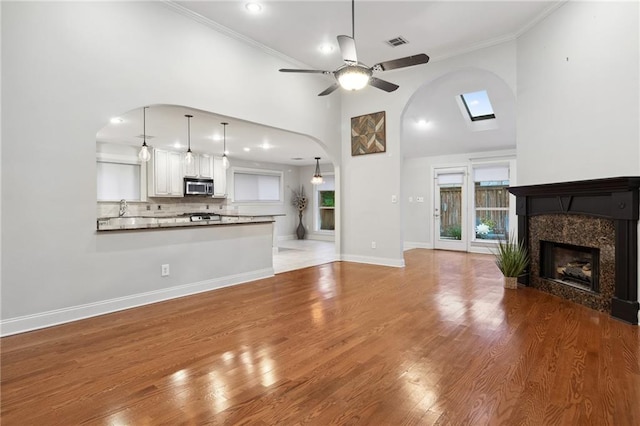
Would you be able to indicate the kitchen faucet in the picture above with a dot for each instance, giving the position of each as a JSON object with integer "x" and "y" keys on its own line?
{"x": 123, "y": 207}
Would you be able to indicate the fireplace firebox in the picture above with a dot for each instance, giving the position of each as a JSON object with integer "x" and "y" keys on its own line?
{"x": 571, "y": 265}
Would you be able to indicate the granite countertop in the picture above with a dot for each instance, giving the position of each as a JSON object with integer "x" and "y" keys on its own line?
{"x": 184, "y": 220}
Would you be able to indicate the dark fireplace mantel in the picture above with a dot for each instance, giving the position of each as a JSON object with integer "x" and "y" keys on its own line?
{"x": 615, "y": 199}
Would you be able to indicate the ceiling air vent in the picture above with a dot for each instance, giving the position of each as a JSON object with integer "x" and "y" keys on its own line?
{"x": 398, "y": 41}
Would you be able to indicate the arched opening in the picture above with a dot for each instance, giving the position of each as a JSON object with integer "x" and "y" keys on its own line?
{"x": 450, "y": 158}
{"x": 268, "y": 167}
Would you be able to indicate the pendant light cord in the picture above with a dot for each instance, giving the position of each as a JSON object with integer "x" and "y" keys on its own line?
{"x": 144, "y": 125}
{"x": 224, "y": 138}
{"x": 188, "y": 131}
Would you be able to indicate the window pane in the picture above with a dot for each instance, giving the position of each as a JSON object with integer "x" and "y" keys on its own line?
{"x": 450, "y": 212}
{"x": 117, "y": 181}
{"x": 492, "y": 224}
{"x": 478, "y": 105}
{"x": 256, "y": 187}
{"x": 491, "y": 202}
{"x": 327, "y": 220}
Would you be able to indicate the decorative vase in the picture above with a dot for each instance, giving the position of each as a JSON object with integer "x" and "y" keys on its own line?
{"x": 511, "y": 283}
{"x": 300, "y": 231}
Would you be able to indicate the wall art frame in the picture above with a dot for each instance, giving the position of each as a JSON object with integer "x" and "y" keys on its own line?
{"x": 368, "y": 134}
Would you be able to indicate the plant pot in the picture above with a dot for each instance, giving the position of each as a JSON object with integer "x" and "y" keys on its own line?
{"x": 511, "y": 282}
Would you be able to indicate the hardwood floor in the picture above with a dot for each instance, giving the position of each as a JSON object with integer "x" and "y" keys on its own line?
{"x": 437, "y": 342}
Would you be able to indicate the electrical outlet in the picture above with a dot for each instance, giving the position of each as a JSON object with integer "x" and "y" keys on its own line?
{"x": 373, "y": 244}
{"x": 411, "y": 199}
{"x": 420, "y": 199}
{"x": 394, "y": 198}
{"x": 165, "y": 270}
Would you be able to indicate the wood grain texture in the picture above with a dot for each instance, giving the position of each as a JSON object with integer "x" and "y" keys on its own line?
{"x": 439, "y": 342}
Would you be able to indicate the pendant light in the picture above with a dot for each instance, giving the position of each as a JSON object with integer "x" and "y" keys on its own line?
{"x": 225, "y": 159}
{"x": 189, "y": 157}
{"x": 317, "y": 177}
{"x": 144, "y": 154}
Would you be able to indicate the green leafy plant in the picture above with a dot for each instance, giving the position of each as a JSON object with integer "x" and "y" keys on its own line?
{"x": 512, "y": 257}
{"x": 454, "y": 232}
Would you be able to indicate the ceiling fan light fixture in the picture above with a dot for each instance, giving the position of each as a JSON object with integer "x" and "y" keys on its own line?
{"x": 353, "y": 77}
{"x": 317, "y": 178}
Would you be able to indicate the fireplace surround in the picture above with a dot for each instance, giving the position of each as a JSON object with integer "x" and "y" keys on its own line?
{"x": 590, "y": 217}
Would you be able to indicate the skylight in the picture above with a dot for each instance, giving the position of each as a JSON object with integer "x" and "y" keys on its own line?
{"x": 478, "y": 105}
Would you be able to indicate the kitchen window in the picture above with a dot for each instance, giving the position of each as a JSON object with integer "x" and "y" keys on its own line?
{"x": 491, "y": 201}
{"x": 119, "y": 177}
{"x": 325, "y": 194}
{"x": 257, "y": 186}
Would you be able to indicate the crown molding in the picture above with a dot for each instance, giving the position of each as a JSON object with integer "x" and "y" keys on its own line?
{"x": 230, "y": 33}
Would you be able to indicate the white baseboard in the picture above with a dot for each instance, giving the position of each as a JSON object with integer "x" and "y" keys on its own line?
{"x": 408, "y": 245}
{"x": 383, "y": 261}
{"x": 287, "y": 237}
{"x": 60, "y": 316}
{"x": 321, "y": 237}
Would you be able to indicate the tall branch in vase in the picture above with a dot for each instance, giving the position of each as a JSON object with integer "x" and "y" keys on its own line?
{"x": 300, "y": 203}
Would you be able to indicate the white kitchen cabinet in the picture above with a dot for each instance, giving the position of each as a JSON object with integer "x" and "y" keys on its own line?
{"x": 201, "y": 167}
{"x": 205, "y": 162}
{"x": 165, "y": 174}
{"x": 219, "y": 178}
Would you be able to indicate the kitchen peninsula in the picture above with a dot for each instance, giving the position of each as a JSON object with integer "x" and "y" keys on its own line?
{"x": 184, "y": 220}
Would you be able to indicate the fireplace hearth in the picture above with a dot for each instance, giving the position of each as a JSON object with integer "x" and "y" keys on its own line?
{"x": 583, "y": 242}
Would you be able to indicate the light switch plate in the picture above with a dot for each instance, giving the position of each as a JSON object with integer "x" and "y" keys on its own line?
{"x": 394, "y": 198}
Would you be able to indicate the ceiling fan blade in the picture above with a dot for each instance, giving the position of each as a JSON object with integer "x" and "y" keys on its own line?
{"x": 329, "y": 89}
{"x": 382, "y": 84}
{"x": 348, "y": 49}
{"x": 401, "y": 63}
{"x": 305, "y": 71}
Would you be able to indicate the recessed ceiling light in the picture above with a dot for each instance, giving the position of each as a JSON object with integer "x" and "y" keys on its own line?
{"x": 265, "y": 146}
{"x": 424, "y": 123}
{"x": 216, "y": 138}
{"x": 246, "y": 149}
{"x": 254, "y": 7}
{"x": 117, "y": 120}
{"x": 326, "y": 48}
{"x": 177, "y": 145}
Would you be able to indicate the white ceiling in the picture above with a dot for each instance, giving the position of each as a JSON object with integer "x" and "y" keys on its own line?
{"x": 167, "y": 128}
{"x": 440, "y": 29}
{"x": 295, "y": 29}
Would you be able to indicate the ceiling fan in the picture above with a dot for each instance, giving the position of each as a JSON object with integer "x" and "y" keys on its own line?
{"x": 354, "y": 75}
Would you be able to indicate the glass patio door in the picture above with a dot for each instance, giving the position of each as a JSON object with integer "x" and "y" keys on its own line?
{"x": 450, "y": 209}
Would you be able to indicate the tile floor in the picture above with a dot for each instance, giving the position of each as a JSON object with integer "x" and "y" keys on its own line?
{"x": 297, "y": 254}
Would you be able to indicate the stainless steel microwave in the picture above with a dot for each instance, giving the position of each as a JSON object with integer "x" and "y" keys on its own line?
{"x": 194, "y": 186}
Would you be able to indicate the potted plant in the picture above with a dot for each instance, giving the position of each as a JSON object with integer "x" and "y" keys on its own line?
{"x": 512, "y": 260}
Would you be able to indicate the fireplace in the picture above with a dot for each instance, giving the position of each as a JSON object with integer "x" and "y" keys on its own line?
{"x": 582, "y": 239}
{"x": 575, "y": 266}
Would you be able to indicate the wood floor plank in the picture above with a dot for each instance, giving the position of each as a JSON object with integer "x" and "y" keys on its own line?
{"x": 439, "y": 342}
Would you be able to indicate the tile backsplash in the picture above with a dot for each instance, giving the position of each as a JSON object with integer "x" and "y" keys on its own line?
{"x": 166, "y": 207}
